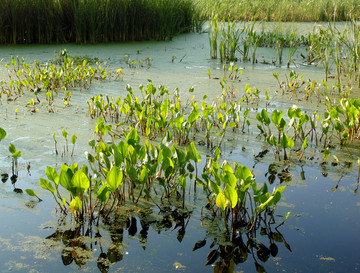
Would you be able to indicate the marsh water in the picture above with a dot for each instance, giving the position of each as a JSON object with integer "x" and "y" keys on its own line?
{"x": 320, "y": 235}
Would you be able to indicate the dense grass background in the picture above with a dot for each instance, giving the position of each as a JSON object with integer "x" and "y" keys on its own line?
{"x": 94, "y": 21}
{"x": 281, "y": 10}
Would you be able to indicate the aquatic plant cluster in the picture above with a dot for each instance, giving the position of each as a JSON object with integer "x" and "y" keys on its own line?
{"x": 146, "y": 147}
{"x": 326, "y": 46}
{"x": 127, "y": 165}
{"x": 94, "y": 21}
{"x": 58, "y": 75}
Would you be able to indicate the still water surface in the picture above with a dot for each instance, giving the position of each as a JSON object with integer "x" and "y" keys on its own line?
{"x": 321, "y": 232}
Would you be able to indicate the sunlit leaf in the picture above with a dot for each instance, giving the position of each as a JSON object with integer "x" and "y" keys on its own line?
{"x": 65, "y": 178}
{"x": 114, "y": 178}
{"x": 80, "y": 182}
{"x": 73, "y": 139}
{"x": 231, "y": 195}
{"x": 75, "y": 204}
{"x": 2, "y": 133}
{"x": 192, "y": 153}
{"x": 52, "y": 175}
{"x": 221, "y": 201}
{"x": 46, "y": 185}
{"x": 12, "y": 148}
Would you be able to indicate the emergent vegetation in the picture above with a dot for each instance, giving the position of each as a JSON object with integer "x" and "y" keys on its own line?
{"x": 281, "y": 10}
{"x": 94, "y": 21}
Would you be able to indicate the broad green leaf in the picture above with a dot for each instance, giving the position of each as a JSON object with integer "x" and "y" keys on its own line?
{"x": 193, "y": 116}
{"x": 182, "y": 181}
{"x": 243, "y": 174}
{"x": 265, "y": 117}
{"x": 294, "y": 112}
{"x": 103, "y": 193}
{"x": 65, "y": 178}
{"x": 52, "y": 175}
{"x": 221, "y": 201}
{"x": 12, "y": 148}
{"x": 232, "y": 124}
{"x": 75, "y": 204}
{"x": 271, "y": 140}
{"x": 123, "y": 149}
{"x": 231, "y": 195}
{"x": 282, "y": 125}
{"x": 266, "y": 203}
{"x": 46, "y": 185}
{"x": 90, "y": 157}
{"x": 230, "y": 180}
{"x": 114, "y": 178}
{"x": 80, "y": 182}
{"x": 31, "y": 192}
{"x": 73, "y": 139}
{"x": 143, "y": 175}
{"x": 181, "y": 157}
{"x": 16, "y": 154}
{"x": 2, "y": 133}
{"x": 286, "y": 142}
{"x": 192, "y": 153}
{"x": 92, "y": 142}
{"x": 276, "y": 117}
{"x": 132, "y": 137}
{"x": 100, "y": 128}
{"x": 64, "y": 133}
{"x": 214, "y": 187}
{"x": 117, "y": 155}
{"x": 277, "y": 195}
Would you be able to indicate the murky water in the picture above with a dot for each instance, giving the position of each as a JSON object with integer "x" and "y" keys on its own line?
{"x": 322, "y": 231}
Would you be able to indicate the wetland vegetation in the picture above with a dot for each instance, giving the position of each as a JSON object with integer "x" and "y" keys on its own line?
{"x": 222, "y": 175}
{"x": 94, "y": 21}
{"x": 282, "y": 10}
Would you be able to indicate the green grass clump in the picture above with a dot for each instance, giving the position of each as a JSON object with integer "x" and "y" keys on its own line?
{"x": 281, "y": 10}
{"x": 94, "y": 21}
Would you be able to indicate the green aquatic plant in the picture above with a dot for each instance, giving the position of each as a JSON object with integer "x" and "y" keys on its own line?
{"x": 60, "y": 74}
{"x": 293, "y": 46}
{"x": 73, "y": 142}
{"x": 264, "y": 119}
{"x": 213, "y": 35}
{"x": 15, "y": 154}
{"x": 229, "y": 189}
{"x": 101, "y": 187}
{"x": 65, "y": 136}
{"x": 2, "y": 133}
{"x": 291, "y": 83}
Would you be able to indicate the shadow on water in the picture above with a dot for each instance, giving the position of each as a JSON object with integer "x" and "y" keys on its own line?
{"x": 79, "y": 242}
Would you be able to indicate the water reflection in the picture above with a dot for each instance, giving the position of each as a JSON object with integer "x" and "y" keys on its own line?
{"x": 279, "y": 170}
{"x": 79, "y": 243}
{"x": 13, "y": 179}
{"x": 231, "y": 249}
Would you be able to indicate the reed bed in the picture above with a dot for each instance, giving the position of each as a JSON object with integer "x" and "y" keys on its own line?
{"x": 281, "y": 10}
{"x": 94, "y": 21}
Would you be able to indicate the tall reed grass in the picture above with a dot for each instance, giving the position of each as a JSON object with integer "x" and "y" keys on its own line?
{"x": 281, "y": 10}
{"x": 94, "y": 21}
